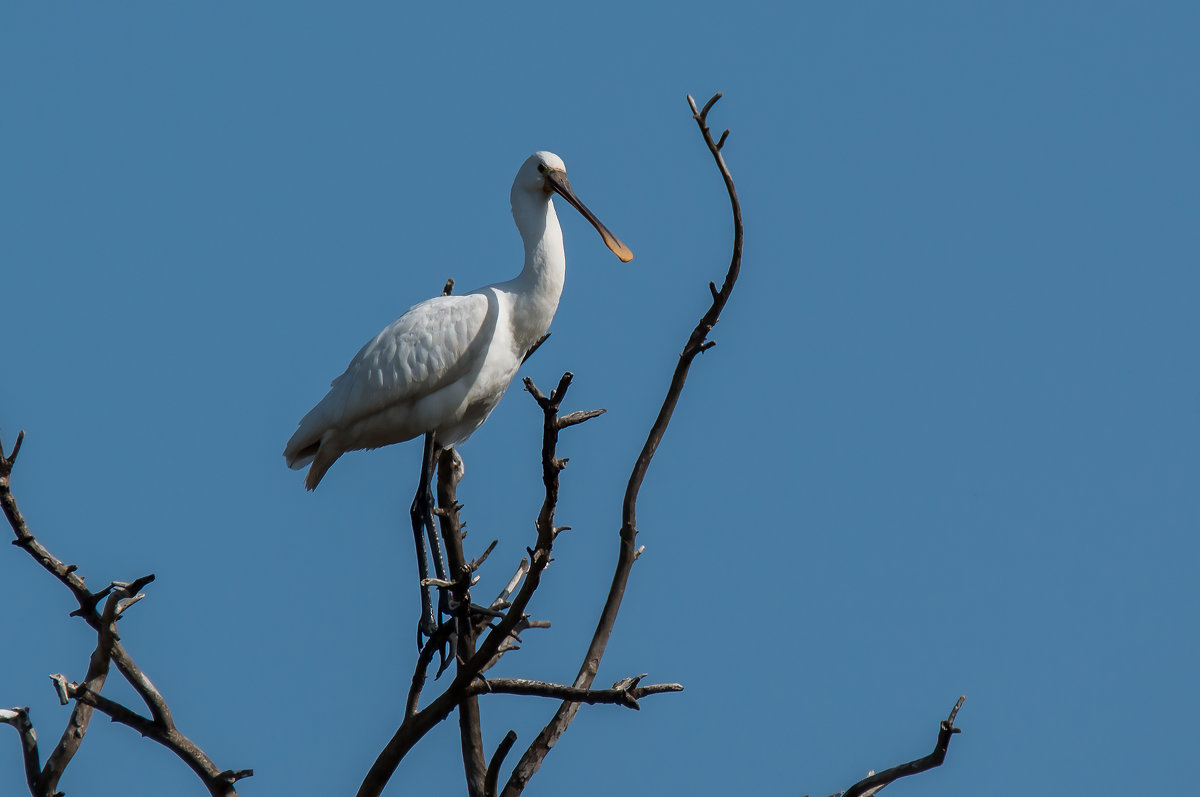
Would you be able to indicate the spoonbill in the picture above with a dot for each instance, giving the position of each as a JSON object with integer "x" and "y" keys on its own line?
{"x": 441, "y": 368}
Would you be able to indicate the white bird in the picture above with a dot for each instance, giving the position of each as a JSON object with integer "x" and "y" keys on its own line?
{"x": 443, "y": 366}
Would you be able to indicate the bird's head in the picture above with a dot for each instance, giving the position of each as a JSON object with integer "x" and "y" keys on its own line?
{"x": 545, "y": 173}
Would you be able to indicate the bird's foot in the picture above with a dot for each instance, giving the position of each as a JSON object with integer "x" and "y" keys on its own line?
{"x": 426, "y": 627}
{"x": 446, "y": 602}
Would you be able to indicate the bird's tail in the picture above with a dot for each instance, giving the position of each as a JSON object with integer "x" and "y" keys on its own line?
{"x": 301, "y": 453}
{"x": 322, "y": 462}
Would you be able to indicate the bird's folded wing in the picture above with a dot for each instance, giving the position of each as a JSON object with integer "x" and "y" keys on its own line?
{"x": 428, "y": 347}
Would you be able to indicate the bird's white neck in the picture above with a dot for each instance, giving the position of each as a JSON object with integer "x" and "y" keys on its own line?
{"x": 540, "y": 283}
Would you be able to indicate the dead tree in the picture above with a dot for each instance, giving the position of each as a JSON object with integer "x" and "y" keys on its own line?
{"x": 476, "y": 635}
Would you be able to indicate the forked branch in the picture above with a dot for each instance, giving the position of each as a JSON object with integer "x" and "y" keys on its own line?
{"x": 118, "y": 597}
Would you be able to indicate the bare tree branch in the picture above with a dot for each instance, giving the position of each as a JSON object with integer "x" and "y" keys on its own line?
{"x": 97, "y": 672}
{"x": 450, "y": 471}
{"x": 531, "y": 761}
{"x": 578, "y": 417}
{"x": 424, "y": 659}
{"x": 546, "y": 530}
{"x": 502, "y": 599}
{"x": 621, "y": 694}
{"x": 18, "y": 717}
{"x": 484, "y": 618}
{"x": 872, "y": 784}
{"x": 218, "y": 782}
{"x": 160, "y": 727}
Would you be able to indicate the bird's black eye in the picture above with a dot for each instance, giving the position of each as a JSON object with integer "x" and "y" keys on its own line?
{"x": 542, "y": 168}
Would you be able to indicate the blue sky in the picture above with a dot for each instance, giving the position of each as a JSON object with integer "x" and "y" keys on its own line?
{"x": 946, "y": 442}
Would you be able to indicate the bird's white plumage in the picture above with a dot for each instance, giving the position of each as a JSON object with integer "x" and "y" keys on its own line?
{"x": 444, "y": 365}
{"x": 425, "y": 351}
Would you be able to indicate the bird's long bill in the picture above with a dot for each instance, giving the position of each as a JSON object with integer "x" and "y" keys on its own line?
{"x": 558, "y": 181}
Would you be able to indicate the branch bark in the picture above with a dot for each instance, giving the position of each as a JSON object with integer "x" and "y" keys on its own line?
{"x": 697, "y": 342}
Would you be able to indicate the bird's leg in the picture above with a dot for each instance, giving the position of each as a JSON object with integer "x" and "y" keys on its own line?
{"x": 433, "y": 451}
{"x": 421, "y": 514}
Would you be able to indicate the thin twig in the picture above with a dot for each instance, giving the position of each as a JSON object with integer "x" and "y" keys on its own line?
{"x": 502, "y": 598}
{"x": 873, "y": 783}
{"x": 573, "y": 418}
{"x": 531, "y": 761}
{"x": 620, "y": 694}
